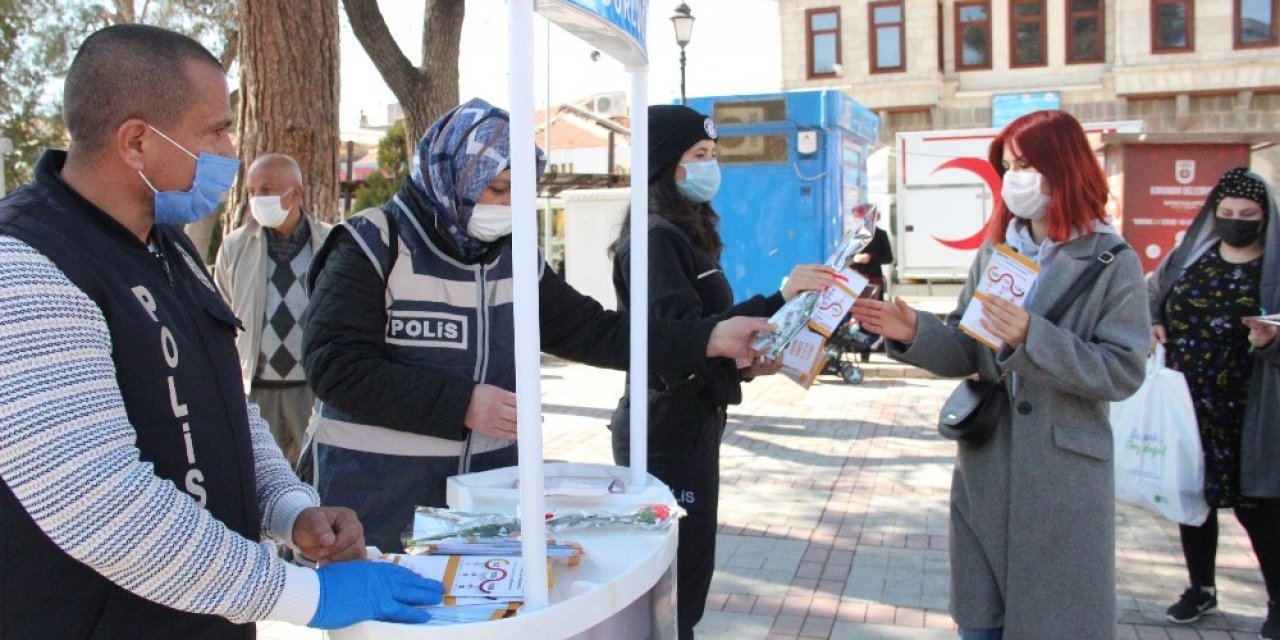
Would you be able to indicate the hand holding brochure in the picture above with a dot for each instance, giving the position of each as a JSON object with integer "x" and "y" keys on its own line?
{"x": 804, "y": 356}
{"x": 1007, "y": 275}
{"x": 477, "y": 587}
{"x": 834, "y": 303}
{"x": 794, "y": 316}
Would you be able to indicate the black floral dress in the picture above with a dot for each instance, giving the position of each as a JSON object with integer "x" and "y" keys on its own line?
{"x": 1210, "y": 346}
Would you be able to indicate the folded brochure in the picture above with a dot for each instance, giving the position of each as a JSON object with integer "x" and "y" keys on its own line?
{"x": 1007, "y": 275}
{"x": 805, "y": 356}
{"x": 469, "y": 576}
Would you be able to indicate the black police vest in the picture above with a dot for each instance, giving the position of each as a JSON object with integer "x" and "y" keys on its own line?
{"x": 179, "y": 375}
{"x": 442, "y": 315}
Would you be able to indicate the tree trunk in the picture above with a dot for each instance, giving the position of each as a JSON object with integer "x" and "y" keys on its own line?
{"x": 201, "y": 233}
{"x": 289, "y": 96}
{"x": 425, "y": 92}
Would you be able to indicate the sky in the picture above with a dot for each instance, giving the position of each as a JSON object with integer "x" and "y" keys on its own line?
{"x": 733, "y": 49}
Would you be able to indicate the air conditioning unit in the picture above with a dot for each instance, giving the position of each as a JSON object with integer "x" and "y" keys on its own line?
{"x": 739, "y": 146}
{"x": 736, "y": 146}
{"x": 613, "y": 103}
{"x": 739, "y": 114}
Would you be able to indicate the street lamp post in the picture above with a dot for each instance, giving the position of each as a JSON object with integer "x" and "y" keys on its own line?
{"x": 682, "y": 19}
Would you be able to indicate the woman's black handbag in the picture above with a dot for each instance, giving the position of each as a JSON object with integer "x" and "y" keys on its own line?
{"x": 972, "y": 412}
{"x": 974, "y": 409}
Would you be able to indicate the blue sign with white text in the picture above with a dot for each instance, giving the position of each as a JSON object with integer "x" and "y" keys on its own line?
{"x": 1011, "y": 106}
{"x": 617, "y": 27}
{"x": 628, "y": 16}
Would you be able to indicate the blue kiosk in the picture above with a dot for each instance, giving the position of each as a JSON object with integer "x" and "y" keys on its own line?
{"x": 793, "y": 166}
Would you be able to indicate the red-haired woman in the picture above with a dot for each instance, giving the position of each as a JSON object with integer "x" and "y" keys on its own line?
{"x": 1032, "y": 530}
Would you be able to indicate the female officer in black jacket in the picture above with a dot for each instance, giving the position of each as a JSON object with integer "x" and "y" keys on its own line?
{"x": 687, "y": 407}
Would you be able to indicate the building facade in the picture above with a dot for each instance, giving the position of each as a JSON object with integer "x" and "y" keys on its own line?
{"x": 1178, "y": 65}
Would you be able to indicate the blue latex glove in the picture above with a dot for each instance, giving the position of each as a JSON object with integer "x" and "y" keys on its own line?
{"x": 352, "y": 592}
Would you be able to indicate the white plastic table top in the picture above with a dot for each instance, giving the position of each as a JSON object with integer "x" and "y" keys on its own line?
{"x": 619, "y": 565}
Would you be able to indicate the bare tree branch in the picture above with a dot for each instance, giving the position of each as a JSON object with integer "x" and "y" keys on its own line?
{"x": 424, "y": 92}
{"x": 371, "y": 30}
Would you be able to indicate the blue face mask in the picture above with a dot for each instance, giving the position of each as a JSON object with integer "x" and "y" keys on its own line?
{"x": 701, "y": 180}
{"x": 214, "y": 175}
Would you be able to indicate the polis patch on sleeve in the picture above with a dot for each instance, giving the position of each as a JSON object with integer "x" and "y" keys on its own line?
{"x": 426, "y": 329}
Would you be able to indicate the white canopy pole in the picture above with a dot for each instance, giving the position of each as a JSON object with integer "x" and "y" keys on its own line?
{"x": 639, "y": 276}
{"x": 526, "y": 263}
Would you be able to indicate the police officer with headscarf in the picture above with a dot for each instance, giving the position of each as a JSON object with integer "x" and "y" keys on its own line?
{"x": 409, "y": 340}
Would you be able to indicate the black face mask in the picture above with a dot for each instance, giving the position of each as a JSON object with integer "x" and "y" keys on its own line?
{"x": 1238, "y": 233}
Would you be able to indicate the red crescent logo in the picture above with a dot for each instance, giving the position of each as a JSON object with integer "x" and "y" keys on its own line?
{"x": 984, "y": 170}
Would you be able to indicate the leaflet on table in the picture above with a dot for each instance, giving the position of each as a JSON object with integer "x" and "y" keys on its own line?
{"x": 463, "y": 613}
{"x": 464, "y": 577}
{"x": 834, "y": 303}
{"x": 803, "y": 358}
{"x": 1007, "y": 275}
{"x": 570, "y": 553}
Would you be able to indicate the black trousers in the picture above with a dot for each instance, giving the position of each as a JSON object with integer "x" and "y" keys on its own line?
{"x": 1261, "y": 522}
{"x": 684, "y": 453}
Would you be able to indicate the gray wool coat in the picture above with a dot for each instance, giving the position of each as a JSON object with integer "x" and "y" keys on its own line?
{"x": 1260, "y": 440}
{"x": 1032, "y": 534}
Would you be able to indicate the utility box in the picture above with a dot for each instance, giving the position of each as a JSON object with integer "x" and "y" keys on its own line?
{"x": 593, "y": 219}
{"x": 793, "y": 167}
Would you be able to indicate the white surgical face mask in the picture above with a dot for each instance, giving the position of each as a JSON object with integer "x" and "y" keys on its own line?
{"x": 1021, "y": 194}
{"x": 489, "y": 222}
{"x": 701, "y": 180}
{"x": 267, "y": 211}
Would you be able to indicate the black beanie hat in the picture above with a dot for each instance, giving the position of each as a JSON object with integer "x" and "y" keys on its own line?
{"x": 673, "y": 128}
{"x": 1237, "y": 183}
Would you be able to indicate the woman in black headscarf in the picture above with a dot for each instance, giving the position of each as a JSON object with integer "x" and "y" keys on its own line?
{"x": 1226, "y": 270}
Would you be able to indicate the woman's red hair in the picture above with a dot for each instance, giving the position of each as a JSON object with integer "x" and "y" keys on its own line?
{"x": 1054, "y": 143}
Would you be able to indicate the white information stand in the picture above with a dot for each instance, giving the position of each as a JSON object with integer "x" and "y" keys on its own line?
{"x": 625, "y": 586}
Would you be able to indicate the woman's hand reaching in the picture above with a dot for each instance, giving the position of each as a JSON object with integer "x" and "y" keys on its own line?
{"x": 1261, "y": 333}
{"x": 894, "y": 320}
{"x": 808, "y": 277}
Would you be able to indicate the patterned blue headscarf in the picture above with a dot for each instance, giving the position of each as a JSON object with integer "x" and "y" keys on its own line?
{"x": 456, "y": 158}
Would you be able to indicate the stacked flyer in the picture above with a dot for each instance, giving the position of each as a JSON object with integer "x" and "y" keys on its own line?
{"x": 477, "y": 556}
{"x": 804, "y": 356}
{"x": 476, "y": 587}
{"x": 803, "y": 324}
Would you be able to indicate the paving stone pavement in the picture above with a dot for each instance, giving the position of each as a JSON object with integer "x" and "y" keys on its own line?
{"x": 833, "y": 516}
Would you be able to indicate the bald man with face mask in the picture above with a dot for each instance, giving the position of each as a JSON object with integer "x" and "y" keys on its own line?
{"x": 260, "y": 271}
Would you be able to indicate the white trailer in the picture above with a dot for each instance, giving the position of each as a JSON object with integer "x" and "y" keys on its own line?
{"x": 946, "y": 190}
